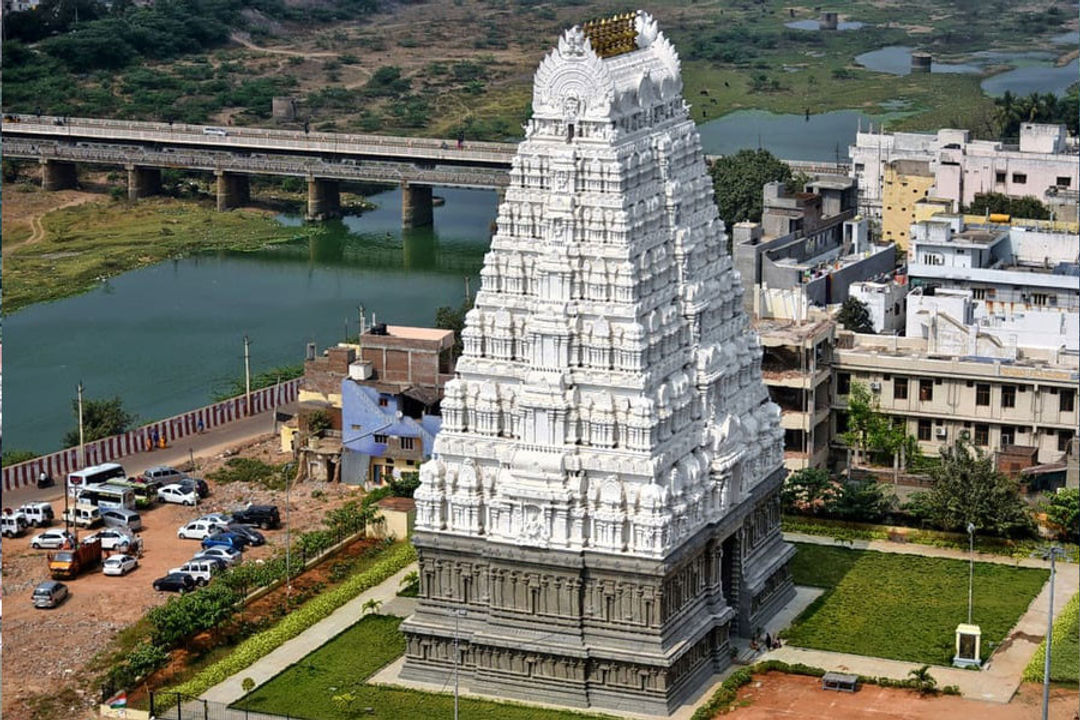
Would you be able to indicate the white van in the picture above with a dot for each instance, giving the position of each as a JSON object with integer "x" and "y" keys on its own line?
{"x": 38, "y": 514}
{"x": 13, "y": 525}
{"x": 220, "y": 132}
{"x": 86, "y": 516}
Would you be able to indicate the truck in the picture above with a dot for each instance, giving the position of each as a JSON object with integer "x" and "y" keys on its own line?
{"x": 66, "y": 563}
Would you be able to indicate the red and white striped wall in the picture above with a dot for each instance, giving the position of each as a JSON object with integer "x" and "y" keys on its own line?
{"x": 136, "y": 441}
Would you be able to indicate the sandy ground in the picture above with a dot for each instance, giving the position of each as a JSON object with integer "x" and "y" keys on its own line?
{"x": 775, "y": 696}
{"x": 56, "y": 644}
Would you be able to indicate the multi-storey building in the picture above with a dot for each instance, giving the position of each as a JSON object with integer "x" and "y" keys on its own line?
{"x": 603, "y": 504}
{"x": 1044, "y": 164}
{"x": 999, "y": 402}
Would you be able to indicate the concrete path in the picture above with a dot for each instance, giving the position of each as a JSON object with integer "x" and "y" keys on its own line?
{"x": 209, "y": 444}
{"x": 1000, "y": 677}
{"x": 314, "y": 637}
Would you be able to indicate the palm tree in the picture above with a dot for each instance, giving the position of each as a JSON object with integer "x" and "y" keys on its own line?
{"x": 412, "y": 578}
{"x": 371, "y": 605}
{"x": 924, "y": 681}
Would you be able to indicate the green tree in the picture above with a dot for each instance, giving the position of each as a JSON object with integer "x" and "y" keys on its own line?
{"x": 101, "y": 419}
{"x": 370, "y": 605}
{"x": 855, "y": 316}
{"x": 805, "y": 490}
{"x": 1063, "y": 513}
{"x": 738, "y": 181}
{"x": 967, "y": 488}
{"x": 406, "y": 485}
{"x": 449, "y": 318}
{"x": 923, "y": 681}
{"x": 862, "y": 500}
{"x": 872, "y": 433}
{"x": 14, "y": 457}
{"x": 1027, "y": 207}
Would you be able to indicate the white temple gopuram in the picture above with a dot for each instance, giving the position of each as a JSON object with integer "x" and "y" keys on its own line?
{"x": 603, "y": 503}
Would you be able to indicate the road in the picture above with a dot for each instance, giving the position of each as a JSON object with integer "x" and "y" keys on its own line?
{"x": 208, "y": 444}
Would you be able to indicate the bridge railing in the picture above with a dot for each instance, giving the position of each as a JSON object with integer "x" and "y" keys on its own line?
{"x": 59, "y": 464}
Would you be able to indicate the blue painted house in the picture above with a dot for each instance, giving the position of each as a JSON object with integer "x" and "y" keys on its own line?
{"x": 378, "y": 441}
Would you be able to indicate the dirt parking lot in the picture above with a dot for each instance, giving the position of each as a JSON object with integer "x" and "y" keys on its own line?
{"x": 54, "y": 645}
{"x": 775, "y": 696}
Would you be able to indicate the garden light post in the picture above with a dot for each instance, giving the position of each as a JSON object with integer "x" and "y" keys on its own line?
{"x": 1051, "y": 553}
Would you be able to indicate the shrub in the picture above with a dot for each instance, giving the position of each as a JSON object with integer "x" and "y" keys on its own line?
{"x": 296, "y": 622}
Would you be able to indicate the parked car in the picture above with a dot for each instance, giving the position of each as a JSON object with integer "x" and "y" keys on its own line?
{"x": 198, "y": 485}
{"x": 265, "y": 516}
{"x": 252, "y": 535}
{"x": 175, "y": 493}
{"x": 122, "y": 518}
{"x": 38, "y": 514}
{"x": 49, "y": 594}
{"x": 52, "y": 539}
{"x": 229, "y": 555}
{"x": 226, "y": 539}
{"x": 202, "y": 571}
{"x": 197, "y": 530}
{"x": 175, "y": 582}
{"x": 14, "y": 525}
{"x": 86, "y": 516}
{"x": 120, "y": 564}
{"x": 161, "y": 475}
{"x": 221, "y": 519}
{"x": 116, "y": 539}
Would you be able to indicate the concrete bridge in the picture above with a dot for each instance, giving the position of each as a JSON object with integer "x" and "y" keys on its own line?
{"x": 233, "y": 154}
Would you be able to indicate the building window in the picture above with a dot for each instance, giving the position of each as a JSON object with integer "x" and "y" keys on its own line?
{"x": 982, "y": 435}
{"x": 899, "y": 389}
{"x": 1019, "y": 178}
{"x": 982, "y": 395}
{"x": 381, "y": 438}
{"x": 841, "y": 422}
{"x": 1008, "y": 435}
{"x": 1008, "y": 396}
{"x": 1064, "y": 438}
{"x": 978, "y": 293}
{"x": 999, "y": 176}
{"x": 1040, "y": 299}
{"x": 926, "y": 390}
{"x": 406, "y": 443}
{"x": 383, "y": 402}
{"x": 926, "y": 430}
{"x": 1064, "y": 181}
{"x": 1067, "y": 401}
{"x": 843, "y": 383}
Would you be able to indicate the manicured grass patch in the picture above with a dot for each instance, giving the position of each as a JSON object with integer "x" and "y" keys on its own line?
{"x": 904, "y": 607}
{"x": 330, "y": 684}
{"x": 1065, "y": 655}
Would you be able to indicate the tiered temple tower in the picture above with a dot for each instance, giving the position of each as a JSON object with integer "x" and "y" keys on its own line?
{"x": 604, "y": 499}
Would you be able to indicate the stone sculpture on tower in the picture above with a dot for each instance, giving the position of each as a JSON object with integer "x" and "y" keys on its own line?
{"x": 604, "y": 498}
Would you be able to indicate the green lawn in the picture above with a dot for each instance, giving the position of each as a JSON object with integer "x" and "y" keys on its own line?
{"x": 1065, "y": 656}
{"x": 904, "y": 607}
{"x": 340, "y": 668}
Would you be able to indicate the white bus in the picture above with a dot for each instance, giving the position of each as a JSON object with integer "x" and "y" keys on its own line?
{"x": 94, "y": 475}
{"x": 107, "y": 496}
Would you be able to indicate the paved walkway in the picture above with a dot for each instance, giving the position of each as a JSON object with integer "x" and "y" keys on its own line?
{"x": 314, "y": 637}
{"x": 209, "y": 444}
{"x": 1000, "y": 677}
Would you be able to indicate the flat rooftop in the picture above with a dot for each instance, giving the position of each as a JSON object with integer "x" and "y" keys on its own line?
{"x": 412, "y": 333}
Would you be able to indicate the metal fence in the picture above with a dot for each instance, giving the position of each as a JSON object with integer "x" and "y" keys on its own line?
{"x": 175, "y": 706}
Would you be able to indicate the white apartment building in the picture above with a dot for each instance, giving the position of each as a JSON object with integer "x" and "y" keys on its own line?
{"x": 886, "y": 300}
{"x": 1044, "y": 164}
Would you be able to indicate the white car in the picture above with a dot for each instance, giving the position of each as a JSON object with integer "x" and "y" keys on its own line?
{"x": 201, "y": 570}
{"x": 51, "y": 539}
{"x": 197, "y": 530}
{"x": 120, "y": 564}
{"x": 175, "y": 493}
{"x": 221, "y": 519}
{"x": 230, "y": 556}
{"x": 115, "y": 539}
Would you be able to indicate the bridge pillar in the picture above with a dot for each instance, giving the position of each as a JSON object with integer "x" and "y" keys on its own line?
{"x": 323, "y": 199}
{"x": 232, "y": 190}
{"x": 57, "y": 175}
{"x": 416, "y": 205}
{"x": 143, "y": 181}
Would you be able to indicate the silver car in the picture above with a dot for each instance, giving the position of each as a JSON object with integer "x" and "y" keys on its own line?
{"x": 120, "y": 564}
{"x": 49, "y": 594}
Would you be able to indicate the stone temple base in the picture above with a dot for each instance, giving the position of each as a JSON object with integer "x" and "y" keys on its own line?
{"x": 595, "y": 630}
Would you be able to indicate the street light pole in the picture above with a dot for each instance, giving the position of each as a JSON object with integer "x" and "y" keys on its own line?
{"x": 1052, "y": 553}
{"x": 288, "y": 542}
{"x": 971, "y": 565}
{"x": 82, "y": 437}
{"x": 247, "y": 376}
